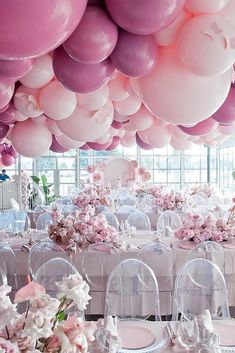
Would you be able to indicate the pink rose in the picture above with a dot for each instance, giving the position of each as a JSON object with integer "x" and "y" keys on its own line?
{"x": 141, "y": 171}
{"x": 8, "y": 347}
{"x": 134, "y": 163}
{"x": 91, "y": 169}
{"x": 97, "y": 177}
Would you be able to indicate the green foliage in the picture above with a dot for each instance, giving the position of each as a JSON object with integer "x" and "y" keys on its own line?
{"x": 233, "y": 175}
{"x": 60, "y": 316}
{"x": 46, "y": 190}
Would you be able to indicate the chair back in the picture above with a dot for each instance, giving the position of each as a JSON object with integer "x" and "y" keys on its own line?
{"x": 168, "y": 220}
{"x": 139, "y": 220}
{"x": 43, "y": 221}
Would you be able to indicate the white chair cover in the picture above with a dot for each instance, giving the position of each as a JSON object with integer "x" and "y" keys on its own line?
{"x": 132, "y": 291}
{"x": 139, "y": 220}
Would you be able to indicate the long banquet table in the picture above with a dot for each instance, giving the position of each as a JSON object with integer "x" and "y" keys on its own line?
{"x": 92, "y": 260}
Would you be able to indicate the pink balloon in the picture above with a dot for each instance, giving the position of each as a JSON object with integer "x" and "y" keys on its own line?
{"x": 228, "y": 12}
{"x": 7, "y": 87}
{"x": 200, "y": 129}
{"x": 94, "y": 100}
{"x": 114, "y": 144}
{"x": 30, "y": 29}
{"x": 117, "y": 124}
{"x": 57, "y": 147}
{"x": 56, "y": 101}
{"x": 128, "y": 106}
{"x": 129, "y": 127}
{"x": 178, "y": 133}
{"x": 168, "y": 36}
{"x": 227, "y": 129}
{"x": 134, "y": 55}
{"x": 53, "y": 127}
{"x": 15, "y": 68}
{"x": 117, "y": 88}
{"x": 3, "y": 130}
{"x": 68, "y": 143}
{"x": 158, "y": 136}
{"x": 19, "y": 116}
{"x": 226, "y": 113}
{"x": 26, "y": 101}
{"x": 142, "y": 119}
{"x": 94, "y": 39}
{"x": 128, "y": 140}
{"x": 99, "y": 147}
{"x": 176, "y": 95}
{"x": 142, "y": 144}
{"x": 30, "y": 139}
{"x": 12, "y": 151}
{"x": 77, "y": 77}
{"x": 198, "y": 7}
{"x": 84, "y": 147}
{"x": 204, "y": 45}
{"x": 2, "y": 147}
{"x": 181, "y": 145}
{"x": 4, "y": 108}
{"x": 146, "y": 17}
{"x": 120, "y": 118}
{"x": 104, "y": 138}
{"x": 41, "y": 73}
{"x": 8, "y": 117}
{"x": 84, "y": 125}
{"x": 7, "y": 159}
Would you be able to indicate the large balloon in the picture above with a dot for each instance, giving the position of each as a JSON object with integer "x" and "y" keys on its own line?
{"x": 204, "y": 45}
{"x": 98, "y": 146}
{"x": 94, "y": 39}
{"x": 57, "y": 147}
{"x": 142, "y": 144}
{"x": 56, "y": 101}
{"x": 114, "y": 144}
{"x": 41, "y": 73}
{"x": 128, "y": 140}
{"x": 142, "y": 119}
{"x": 32, "y": 28}
{"x": 26, "y": 101}
{"x": 53, "y": 127}
{"x": 177, "y": 133}
{"x": 84, "y": 125}
{"x": 30, "y": 139}
{"x": 200, "y": 129}
{"x": 146, "y": 17}
{"x": 181, "y": 145}
{"x": 7, "y": 87}
{"x": 201, "y": 6}
{"x": 174, "y": 94}
{"x": 226, "y": 113}
{"x": 77, "y": 77}
{"x": 3, "y": 130}
{"x": 15, "y": 68}
{"x": 68, "y": 143}
{"x": 227, "y": 129}
{"x": 94, "y": 100}
{"x": 9, "y": 116}
{"x": 117, "y": 88}
{"x": 4, "y": 108}
{"x": 228, "y": 12}
{"x": 134, "y": 55}
{"x": 128, "y": 106}
{"x": 157, "y": 135}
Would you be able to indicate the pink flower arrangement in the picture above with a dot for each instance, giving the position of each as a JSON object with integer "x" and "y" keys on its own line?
{"x": 195, "y": 228}
{"x": 203, "y": 190}
{"x": 93, "y": 196}
{"x": 97, "y": 177}
{"x": 91, "y": 169}
{"x": 134, "y": 163}
{"x": 62, "y": 230}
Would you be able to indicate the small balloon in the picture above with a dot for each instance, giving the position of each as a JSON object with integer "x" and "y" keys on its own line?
{"x": 57, "y": 147}
{"x": 7, "y": 87}
{"x": 15, "y": 69}
{"x": 7, "y": 159}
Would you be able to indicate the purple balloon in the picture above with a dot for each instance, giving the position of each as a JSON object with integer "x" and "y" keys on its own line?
{"x": 98, "y": 146}
{"x": 200, "y": 129}
{"x": 4, "y": 108}
{"x": 117, "y": 124}
{"x": 142, "y": 144}
{"x": 56, "y": 146}
{"x": 94, "y": 39}
{"x": 33, "y": 28}
{"x": 7, "y": 87}
{"x": 114, "y": 143}
{"x": 84, "y": 147}
{"x": 8, "y": 116}
{"x": 77, "y": 77}
{"x": 135, "y": 55}
{"x": 3, "y": 130}
{"x": 144, "y": 17}
{"x": 15, "y": 68}
{"x": 225, "y": 115}
{"x": 12, "y": 151}
{"x": 7, "y": 159}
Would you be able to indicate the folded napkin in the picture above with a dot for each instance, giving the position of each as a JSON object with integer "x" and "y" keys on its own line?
{"x": 107, "y": 334}
{"x": 208, "y": 340}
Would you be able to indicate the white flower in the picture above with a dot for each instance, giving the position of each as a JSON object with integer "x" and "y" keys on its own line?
{"x": 7, "y": 309}
{"x": 46, "y": 302}
{"x": 76, "y": 289}
{"x": 8, "y": 347}
{"x": 38, "y": 325}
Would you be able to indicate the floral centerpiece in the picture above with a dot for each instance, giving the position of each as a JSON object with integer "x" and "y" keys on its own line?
{"x": 93, "y": 195}
{"x": 204, "y": 190}
{"x": 197, "y": 229}
{"x": 46, "y": 325}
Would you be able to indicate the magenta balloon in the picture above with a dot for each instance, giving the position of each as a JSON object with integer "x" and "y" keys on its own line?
{"x": 96, "y": 3}
{"x": 7, "y": 159}
{"x": 15, "y": 68}
{"x": 142, "y": 144}
{"x": 84, "y": 147}
{"x": 32, "y": 28}
{"x": 98, "y": 146}
{"x": 3, "y": 130}
{"x": 200, "y": 129}
{"x": 8, "y": 117}
{"x": 56, "y": 146}
{"x": 12, "y": 151}
{"x": 114, "y": 143}
{"x": 80, "y": 78}
{"x": 134, "y": 55}
{"x": 117, "y": 124}
{"x": 94, "y": 39}
{"x": 225, "y": 115}
{"x": 7, "y": 87}
{"x": 144, "y": 17}
{"x": 4, "y": 108}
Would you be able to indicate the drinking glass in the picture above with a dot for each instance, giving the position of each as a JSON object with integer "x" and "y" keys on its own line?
{"x": 188, "y": 333}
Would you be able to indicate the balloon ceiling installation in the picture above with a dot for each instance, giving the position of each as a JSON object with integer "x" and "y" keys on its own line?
{"x": 95, "y": 74}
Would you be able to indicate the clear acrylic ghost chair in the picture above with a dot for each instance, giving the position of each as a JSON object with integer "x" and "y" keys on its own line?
{"x": 111, "y": 219}
{"x": 132, "y": 291}
{"x": 14, "y": 205}
{"x": 153, "y": 213}
{"x": 200, "y": 286}
{"x": 161, "y": 259}
{"x": 6, "y": 220}
{"x": 168, "y": 222}
{"x": 51, "y": 272}
{"x": 20, "y": 221}
{"x": 128, "y": 199}
{"x": 9, "y": 265}
{"x": 43, "y": 221}
{"x": 3, "y": 278}
{"x": 139, "y": 220}
{"x": 42, "y": 252}
{"x": 209, "y": 250}
{"x": 123, "y": 213}
{"x": 196, "y": 200}
{"x": 69, "y": 209}
{"x": 38, "y": 210}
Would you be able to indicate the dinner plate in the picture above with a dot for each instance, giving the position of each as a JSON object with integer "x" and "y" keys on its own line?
{"x": 187, "y": 245}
